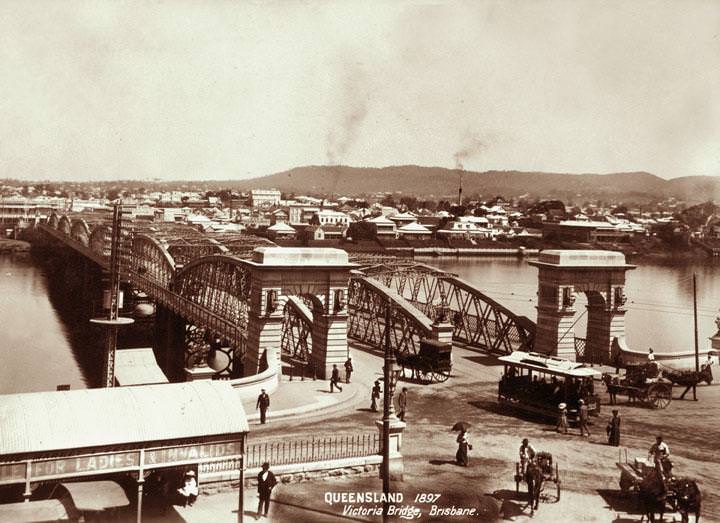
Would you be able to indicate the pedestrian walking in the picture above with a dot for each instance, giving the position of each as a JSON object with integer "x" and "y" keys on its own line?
{"x": 335, "y": 379}
{"x": 583, "y": 418}
{"x": 402, "y": 403}
{"x": 263, "y": 403}
{"x": 348, "y": 370}
{"x": 613, "y": 429}
{"x": 461, "y": 456}
{"x": 266, "y": 482}
{"x": 562, "y": 422}
{"x": 374, "y": 396}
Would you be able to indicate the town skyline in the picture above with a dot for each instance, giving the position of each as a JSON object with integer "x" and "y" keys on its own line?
{"x": 206, "y": 92}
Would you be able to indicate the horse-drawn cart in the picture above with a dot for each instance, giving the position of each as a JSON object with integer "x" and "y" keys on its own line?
{"x": 433, "y": 362}
{"x": 659, "y": 492}
{"x": 641, "y": 383}
{"x": 538, "y": 472}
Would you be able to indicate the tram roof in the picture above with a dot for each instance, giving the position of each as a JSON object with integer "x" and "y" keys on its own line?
{"x": 548, "y": 364}
{"x": 51, "y": 421}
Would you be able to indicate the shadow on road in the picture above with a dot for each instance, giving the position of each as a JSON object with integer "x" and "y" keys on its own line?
{"x": 488, "y": 361}
{"x": 619, "y": 502}
{"x": 442, "y": 462}
{"x": 513, "y": 503}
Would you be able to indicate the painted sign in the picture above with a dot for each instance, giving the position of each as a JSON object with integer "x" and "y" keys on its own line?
{"x": 120, "y": 461}
{"x": 197, "y": 453}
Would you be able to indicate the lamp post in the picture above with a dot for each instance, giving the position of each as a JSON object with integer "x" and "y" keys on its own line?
{"x": 391, "y": 373}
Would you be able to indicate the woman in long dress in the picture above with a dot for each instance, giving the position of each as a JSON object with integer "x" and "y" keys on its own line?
{"x": 461, "y": 456}
{"x": 613, "y": 430}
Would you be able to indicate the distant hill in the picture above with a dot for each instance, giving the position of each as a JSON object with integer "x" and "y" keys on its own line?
{"x": 437, "y": 182}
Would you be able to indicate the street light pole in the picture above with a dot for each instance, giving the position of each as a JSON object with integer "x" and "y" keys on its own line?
{"x": 388, "y": 408}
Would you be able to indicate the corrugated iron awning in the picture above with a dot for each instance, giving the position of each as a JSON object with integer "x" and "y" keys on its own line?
{"x": 137, "y": 367}
{"x": 37, "y": 511}
{"x": 96, "y": 495}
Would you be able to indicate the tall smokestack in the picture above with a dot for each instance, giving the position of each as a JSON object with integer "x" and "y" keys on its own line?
{"x": 460, "y": 190}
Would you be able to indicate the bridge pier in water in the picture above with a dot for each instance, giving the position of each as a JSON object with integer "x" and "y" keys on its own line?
{"x": 563, "y": 274}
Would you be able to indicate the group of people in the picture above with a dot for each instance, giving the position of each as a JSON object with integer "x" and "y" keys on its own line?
{"x": 335, "y": 375}
{"x": 612, "y": 429}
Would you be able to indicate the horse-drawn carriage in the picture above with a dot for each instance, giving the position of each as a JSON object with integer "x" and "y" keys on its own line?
{"x": 659, "y": 491}
{"x": 642, "y": 383}
{"x": 538, "y": 471}
{"x": 433, "y": 362}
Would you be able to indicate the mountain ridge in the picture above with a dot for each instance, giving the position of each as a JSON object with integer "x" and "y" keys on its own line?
{"x": 439, "y": 182}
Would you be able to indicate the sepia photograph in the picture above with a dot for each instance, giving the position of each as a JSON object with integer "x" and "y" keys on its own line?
{"x": 360, "y": 261}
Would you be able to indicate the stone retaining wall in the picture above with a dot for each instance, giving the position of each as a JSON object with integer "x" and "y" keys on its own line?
{"x": 213, "y": 482}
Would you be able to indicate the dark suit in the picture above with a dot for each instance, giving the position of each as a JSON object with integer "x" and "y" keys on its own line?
{"x": 335, "y": 379}
{"x": 263, "y": 402}
{"x": 264, "y": 490}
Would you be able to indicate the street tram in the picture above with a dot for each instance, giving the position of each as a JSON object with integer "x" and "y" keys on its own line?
{"x": 539, "y": 383}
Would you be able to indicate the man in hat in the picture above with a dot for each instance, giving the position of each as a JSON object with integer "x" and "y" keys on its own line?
{"x": 348, "y": 369}
{"x": 375, "y": 396}
{"x": 527, "y": 453}
{"x": 660, "y": 454}
{"x": 613, "y": 429}
{"x": 263, "y": 403}
{"x": 266, "y": 482}
{"x": 583, "y": 418}
{"x": 402, "y": 403}
{"x": 189, "y": 490}
{"x": 335, "y": 379}
{"x": 562, "y": 423}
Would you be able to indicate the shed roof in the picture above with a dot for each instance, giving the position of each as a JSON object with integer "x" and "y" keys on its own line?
{"x": 49, "y": 421}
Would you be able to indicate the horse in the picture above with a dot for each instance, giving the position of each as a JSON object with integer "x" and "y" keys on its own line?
{"x": 688, "y": 498}
{"x": 652, "y": 496}
{"x": 534, "y": 480}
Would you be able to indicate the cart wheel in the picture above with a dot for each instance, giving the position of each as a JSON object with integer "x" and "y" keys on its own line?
{"x": 441, "y": 375}
{"x": 659, "y": 396}
{"x": 425, "y": 376}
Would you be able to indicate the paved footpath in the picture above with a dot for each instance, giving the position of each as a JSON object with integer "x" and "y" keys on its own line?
{"x": 303, "y": 398}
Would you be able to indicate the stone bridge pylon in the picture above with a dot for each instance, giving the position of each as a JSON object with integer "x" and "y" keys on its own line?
{"x": 318, "y": 276}
{"x": 563, "y": 274}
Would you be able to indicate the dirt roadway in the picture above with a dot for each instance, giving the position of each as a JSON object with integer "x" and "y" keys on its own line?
{"x": 589, "y": 475}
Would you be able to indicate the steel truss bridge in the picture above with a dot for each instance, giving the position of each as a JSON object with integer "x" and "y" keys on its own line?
{"x": 200, "y": 277}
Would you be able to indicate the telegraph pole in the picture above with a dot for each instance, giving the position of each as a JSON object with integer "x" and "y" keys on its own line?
{"x": 695, "y": 318}
{"x": 112, "y": 302}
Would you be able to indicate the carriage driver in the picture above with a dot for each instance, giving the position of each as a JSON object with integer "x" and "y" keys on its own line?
{"x": 527, "y": 453}
{"x": 660, "y": 453}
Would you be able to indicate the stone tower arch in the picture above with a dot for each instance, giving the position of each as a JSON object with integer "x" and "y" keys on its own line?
{"x": 600, "y": 275}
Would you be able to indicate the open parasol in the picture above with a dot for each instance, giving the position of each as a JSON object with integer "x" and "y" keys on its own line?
{"x": 461, "y": 425}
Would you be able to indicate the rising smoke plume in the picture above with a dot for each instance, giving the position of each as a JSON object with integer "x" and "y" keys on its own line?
{"x": 472, "y": 147}
{"x": 352, "y": 108}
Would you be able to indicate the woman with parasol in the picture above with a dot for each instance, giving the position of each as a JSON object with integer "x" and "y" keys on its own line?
{"x": 461, "y": 456}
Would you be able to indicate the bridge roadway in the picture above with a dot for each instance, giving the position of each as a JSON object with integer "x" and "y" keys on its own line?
{"x": 201, "y": 277}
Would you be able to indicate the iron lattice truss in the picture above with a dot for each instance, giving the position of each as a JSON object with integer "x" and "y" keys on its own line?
{"x": 296, "y": 340}
{"x": 195, "y": 274}
{"x": 366, "y": 322}
{"x": 477, "y": 319}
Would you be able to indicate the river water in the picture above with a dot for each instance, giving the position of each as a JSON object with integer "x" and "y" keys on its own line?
{"x": 40, "y": 348}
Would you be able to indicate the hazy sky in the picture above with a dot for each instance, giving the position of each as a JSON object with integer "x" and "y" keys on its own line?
{"x": 231, "y": 89}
